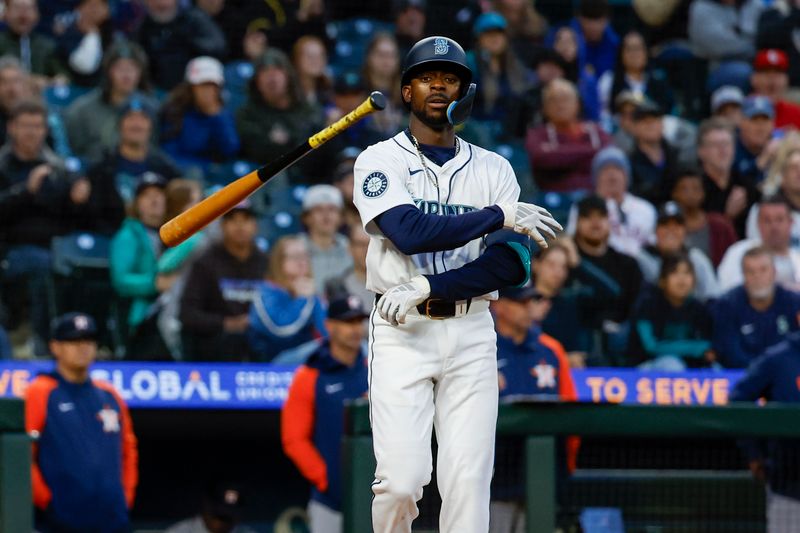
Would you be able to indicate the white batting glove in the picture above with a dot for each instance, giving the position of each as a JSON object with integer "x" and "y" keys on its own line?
{"x": 395, "y": 304}
{"x": 530, "y": 219}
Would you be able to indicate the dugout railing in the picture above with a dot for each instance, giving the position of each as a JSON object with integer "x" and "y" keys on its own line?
{"x": 16, "y": 508}
{"x": 542, "y": 424}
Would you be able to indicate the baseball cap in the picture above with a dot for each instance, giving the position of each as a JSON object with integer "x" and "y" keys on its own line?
{"x": 627, "y": 97}
{"x": 322, "y": 195}
{"x": 346, "y": 307}
{"x": 488, "y": 22}
{"x": 136, "y": 104}
{"x": 771, "y": 59}
{"x": 610, "y": 155}
{"x": 670, "y": 211}
{"x": 521, "y": 294}
{"x": 73, "y": 327}
{"x": 225, "y": 501}
{"x": 149, "y": 179}
{"x": 727, "y": 94}
{"x": 349, "y": 82}
{"x": 245, "y": 206}
{"x": 647, "y": 108}
{"x": 757, "y": 106}
{"x": 204, "y": 69}
{"x": 590, "y": 204}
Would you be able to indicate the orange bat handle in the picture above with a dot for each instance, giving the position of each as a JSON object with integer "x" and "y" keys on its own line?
{"x": 199, "y": 216}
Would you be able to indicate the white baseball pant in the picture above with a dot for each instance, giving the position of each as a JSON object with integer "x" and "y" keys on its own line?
{"x": 427, "y": 374}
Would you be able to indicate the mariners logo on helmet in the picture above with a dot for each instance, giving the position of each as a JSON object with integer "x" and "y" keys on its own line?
{"x": 375, "y": 185}
{"x": 440, "y": 46}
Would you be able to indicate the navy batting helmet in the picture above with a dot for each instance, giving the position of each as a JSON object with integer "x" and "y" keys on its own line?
{"x": 432, "y": 50}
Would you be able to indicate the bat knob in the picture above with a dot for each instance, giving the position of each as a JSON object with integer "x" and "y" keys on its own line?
{"x": 378, "y": 100}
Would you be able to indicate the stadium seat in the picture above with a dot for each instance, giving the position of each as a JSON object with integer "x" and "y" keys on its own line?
{"x": 81, "y": 268}
{"x": 58, "y": 97}
{"x": 602, "y": 520}
{"x": 237, "y": 78}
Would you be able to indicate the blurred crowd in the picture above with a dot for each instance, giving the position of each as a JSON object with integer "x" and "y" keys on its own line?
{"x": 662, "y": 134}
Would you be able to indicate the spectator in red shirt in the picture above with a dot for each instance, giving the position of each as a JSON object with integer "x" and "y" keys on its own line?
{"x": 562, "y": 150}
{"x": 770, "y": 78}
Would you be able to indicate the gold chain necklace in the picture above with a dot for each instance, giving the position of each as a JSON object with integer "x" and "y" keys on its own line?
{"x": 431, "y": 176}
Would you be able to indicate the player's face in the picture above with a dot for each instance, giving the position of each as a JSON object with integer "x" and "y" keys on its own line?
{"x": 75, "y": 356}
{"x": 670, "y": 236}
{"x": 679, "y": 284}
{"x": 517, "y": 315}
{"x": 429, "y": 94}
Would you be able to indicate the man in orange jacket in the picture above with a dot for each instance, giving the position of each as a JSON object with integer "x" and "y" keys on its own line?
{"x": 84, "y": 454}
{"x": 312, "y": 421}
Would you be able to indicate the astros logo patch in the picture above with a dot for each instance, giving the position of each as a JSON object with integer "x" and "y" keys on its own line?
{"x": 375, "y": 185}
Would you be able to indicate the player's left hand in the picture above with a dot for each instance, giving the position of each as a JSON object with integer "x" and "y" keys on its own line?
{"x": 395, "y": 304}
{"x": 531, "y": 220}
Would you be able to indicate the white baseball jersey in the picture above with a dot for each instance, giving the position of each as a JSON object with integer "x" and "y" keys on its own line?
{"x": 390, "y": 173}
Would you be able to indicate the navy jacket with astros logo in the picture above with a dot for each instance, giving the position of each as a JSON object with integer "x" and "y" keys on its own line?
{"x": 312, "y": 420}
{"x": 85, "y": 455}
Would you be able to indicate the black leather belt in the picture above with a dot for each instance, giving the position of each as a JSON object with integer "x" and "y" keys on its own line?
{"x": 436, "y": 309}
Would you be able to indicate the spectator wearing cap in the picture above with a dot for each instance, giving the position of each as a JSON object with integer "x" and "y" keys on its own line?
{"x": 561, "y": 151}
{"x": 596, "y": 39}
{"x": 286, "y": 312}
{"x": 770, "y": 78}
{"x": 726, "y": 103}
{"x": 671, "y": 330}
{"x": 275, "y": 116}
{"x": 172, "y": 35}
{"x": 322, "y": 218}
{"x": 710, "y": 232}
{"x": 499, "y": 73}
{"x": 312, "y": 418}
{"x": 576, "y": 290}
{"x": 783, "y": 181}
{"x": 92, "y": 119}
{"x": 354, "y": 280}
{"x": 776, "y": 27}
{"x": 774, "y": 222}
{"x": 114, "y": 174}
{"x": 654, "y": 161}
{"x": 632, "y": 73}
{"x": 754, "y": 150}
{"x": 221, "y": 284}
{"x": 671, "y": 240}
{"x": 632, "y": 219}
{"x": 221, "y": 512}
{"x": 409, "y": 23}
{"x": 723, "y": 32}
{"x": 196, "y": 129}
{"x": 37, "y": 200}
{"x": 592, "y": 234}
{"x": 133, "y": 264}
{"x": 37, "y": 53}
{"x": 530, "y": 363}
{"x": 85, "y": 458}
{"x": 755, "y": 314}
{"x": 726, "y": 192}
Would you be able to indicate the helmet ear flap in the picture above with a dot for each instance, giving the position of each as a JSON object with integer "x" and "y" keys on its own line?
{"x": 459, "y": 110}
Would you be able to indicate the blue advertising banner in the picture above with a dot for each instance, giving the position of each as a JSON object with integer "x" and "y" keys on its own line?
{"x": 264, "y": 386}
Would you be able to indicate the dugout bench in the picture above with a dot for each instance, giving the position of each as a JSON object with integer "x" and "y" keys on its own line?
{"x": 542, "y": 423}
{"x": 16, "y": 507}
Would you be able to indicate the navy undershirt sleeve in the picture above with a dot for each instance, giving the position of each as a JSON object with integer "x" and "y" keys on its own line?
{"x": 414, "y": 232}
{"x": 498, "y": 267}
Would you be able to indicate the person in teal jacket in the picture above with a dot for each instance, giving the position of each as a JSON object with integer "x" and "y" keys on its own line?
{"x": 135, "y": 250}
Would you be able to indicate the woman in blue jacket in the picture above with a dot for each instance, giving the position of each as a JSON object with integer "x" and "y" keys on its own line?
{"x": 196, "y": 129}
{"x": 286, "y": 313}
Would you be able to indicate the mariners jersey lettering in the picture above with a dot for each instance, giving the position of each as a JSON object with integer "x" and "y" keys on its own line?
{"x": 390, "y": 173}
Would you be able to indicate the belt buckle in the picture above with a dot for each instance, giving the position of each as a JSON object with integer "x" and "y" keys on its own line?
{"x": 428, "y": 313}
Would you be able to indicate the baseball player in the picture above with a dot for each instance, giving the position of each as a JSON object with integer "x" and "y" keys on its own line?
{"x": 427, "y": 200}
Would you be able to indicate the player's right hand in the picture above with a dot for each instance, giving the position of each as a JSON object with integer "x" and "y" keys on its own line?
{"x": 531, "y": 220}
{"x": 395, "y": 304}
